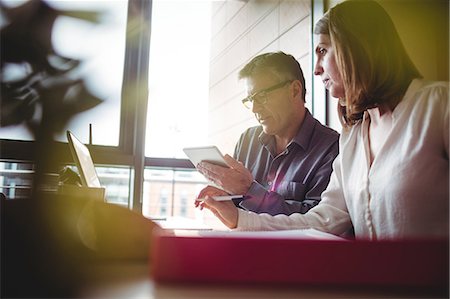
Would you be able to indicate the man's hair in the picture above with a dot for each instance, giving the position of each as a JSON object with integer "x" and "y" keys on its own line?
{"x": 374, "y": 65}
{"x": 282, "y": 65}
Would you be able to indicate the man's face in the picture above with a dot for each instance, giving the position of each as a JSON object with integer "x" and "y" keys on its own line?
{"x": 276, "y": 113}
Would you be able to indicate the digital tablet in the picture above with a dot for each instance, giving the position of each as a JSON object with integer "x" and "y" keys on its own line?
{"x": 209, "y": 154}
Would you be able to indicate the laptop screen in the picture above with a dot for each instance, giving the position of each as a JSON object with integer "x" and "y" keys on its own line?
{"x": 83, "y": 161}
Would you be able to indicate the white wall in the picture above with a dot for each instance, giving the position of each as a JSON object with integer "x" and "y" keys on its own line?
{"x": 242, "y": 30}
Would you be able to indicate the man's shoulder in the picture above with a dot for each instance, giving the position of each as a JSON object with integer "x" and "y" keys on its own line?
{"x": 323, "y": 130}
{"x": 252, "y": 131}
{"x": 318, "y": 128}
{"x": 249, "y": 138}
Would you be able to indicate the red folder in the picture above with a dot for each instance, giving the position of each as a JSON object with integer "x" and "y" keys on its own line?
{"x": 415, "y": 263}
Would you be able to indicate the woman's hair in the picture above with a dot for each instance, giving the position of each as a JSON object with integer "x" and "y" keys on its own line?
{"x": 370, "y": 56}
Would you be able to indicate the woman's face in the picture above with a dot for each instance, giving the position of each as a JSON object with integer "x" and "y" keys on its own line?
{"x": 326, "y": 67}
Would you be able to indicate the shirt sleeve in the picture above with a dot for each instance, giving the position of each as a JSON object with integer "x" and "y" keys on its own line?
{"x": 323, "y": 217}
{"x": 321, "y": 179}
{"x": 261, "y": 200}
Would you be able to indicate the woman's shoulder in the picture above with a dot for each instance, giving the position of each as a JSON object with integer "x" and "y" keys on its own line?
{"x": 430, "y": 90}
{"x": 435, "y": 84}
{"x": 423, "y": 96}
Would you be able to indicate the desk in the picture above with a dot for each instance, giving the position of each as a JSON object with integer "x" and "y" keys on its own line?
{"x": 45, "y": 256}
{"x": 131, "y": 280}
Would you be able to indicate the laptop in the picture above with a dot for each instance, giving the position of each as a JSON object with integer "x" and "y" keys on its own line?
{"x": 83, "y": 161}
{"x": 85, "y": 165}
{"x": 91, "y": 186}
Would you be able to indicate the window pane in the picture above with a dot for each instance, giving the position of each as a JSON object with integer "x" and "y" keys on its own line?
{"x": 16, "y": 179}
{"x": 116, "y": 181}
{"x": 171, "y": 193}
{"x": 178, "y": 77}
{"x": 197, "y": 50}
{"x": 101, "y": 47}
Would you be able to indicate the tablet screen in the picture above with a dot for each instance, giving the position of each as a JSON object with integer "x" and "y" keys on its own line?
{"x": 205, "y": 153}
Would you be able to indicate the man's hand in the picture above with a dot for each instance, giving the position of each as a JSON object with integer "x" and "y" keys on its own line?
{"x": 226, "y": 211}
{"x": 235, "y": 180}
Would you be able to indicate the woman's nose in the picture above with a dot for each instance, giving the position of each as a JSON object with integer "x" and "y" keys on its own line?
{"x": 318, "y": 70}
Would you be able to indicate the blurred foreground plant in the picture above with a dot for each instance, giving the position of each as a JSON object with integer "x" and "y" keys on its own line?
{"x": 39, "y": 87}
{"x": 50, "y": 242}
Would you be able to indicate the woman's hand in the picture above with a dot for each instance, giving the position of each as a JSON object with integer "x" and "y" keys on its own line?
{"x": 226, "y": 211}
{"x": 208, "y": 191}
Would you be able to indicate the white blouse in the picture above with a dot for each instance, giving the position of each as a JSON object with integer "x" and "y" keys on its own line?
{"x": 403, "y": 193}
{"x": 378, "y": 126}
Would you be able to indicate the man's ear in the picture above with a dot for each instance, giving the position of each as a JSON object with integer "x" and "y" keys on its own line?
{"x": 296, "y": 90}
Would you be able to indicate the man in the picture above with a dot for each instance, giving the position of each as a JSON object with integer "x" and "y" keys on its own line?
{"x": 283, "y": 165}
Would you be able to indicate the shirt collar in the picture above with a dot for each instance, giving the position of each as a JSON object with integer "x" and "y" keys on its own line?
{"x": 415, "y": 85}
{"x": 302, "y": 138}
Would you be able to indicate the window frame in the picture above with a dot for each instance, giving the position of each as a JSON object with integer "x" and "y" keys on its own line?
{"x": 134, "y": 98}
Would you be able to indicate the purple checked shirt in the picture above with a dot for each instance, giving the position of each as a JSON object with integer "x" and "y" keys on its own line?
{"x": 292, "y": 181}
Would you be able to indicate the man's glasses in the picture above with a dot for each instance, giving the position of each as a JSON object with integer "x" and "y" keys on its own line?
{"x": 260, "y": 97}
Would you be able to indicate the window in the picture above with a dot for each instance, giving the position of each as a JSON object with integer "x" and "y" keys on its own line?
{"x": 196, "y": 51}
{"x": 183, "y": 204}
{"x": 16, "y": 179}
{"x": 163, "y": 203}
{"x": 116, "y": 181}
{"x": 178, "y": 77}
{"x": 110, "y": 51}
{"x": 169, "y": 192}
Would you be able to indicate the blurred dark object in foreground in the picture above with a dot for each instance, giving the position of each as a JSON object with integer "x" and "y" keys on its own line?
{"x": 45, "y": 91}
{"x": 46, "y": 78}
{"x": 48, "y": 239}
{"x": 48, "y": 244}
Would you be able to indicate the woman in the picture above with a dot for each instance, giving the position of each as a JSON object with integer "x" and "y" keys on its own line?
{"x": 391, "y": 177}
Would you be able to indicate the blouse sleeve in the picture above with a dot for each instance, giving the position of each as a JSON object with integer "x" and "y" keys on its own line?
{"x": 330, "y": 215}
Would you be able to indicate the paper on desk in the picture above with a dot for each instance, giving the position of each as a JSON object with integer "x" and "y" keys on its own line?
{"x": 183, "y": 223}
{"x": 281, "y": 234}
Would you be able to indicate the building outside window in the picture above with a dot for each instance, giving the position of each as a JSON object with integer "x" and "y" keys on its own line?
{"x": 183, "y": 204}
{"x": 16, "y": 179}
